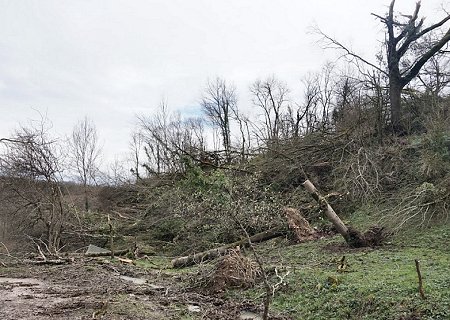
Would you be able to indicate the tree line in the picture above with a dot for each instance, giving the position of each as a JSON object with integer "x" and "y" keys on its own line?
{"x": 396, "y": 95}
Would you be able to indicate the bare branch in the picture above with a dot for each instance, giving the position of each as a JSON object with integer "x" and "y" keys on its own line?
{"x": 337, "y": 45}
{"x": 414, "y": 71}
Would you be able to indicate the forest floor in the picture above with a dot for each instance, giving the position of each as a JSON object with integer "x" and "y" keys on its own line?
{"x": 322, "y": 279}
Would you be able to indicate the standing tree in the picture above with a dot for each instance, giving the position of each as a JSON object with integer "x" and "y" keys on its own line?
{"x": 217, "y": 103}
{"x": 31, "y": 167}
{"x": 168, "y": 139}
{"x": 404, "y": 34}
{"x": 311, "y": 93}
{"x": 136, "y": 149}
{"x": 243, "y": 122}
{"x": 271, "y": 96}
{"x": 85, "y": 153}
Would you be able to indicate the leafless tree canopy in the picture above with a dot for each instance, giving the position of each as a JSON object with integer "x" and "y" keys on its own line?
{"x": 168, "y": 140}
{"x": 409, "y": 45}
{"x": 218, "y": 102}
{"x": 85, "y": 152}
{"x": 271, "y": 96}
{"x": 32, "y": 168}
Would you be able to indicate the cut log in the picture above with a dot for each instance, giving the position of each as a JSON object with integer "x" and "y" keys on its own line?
{"x": 216, "y": 252}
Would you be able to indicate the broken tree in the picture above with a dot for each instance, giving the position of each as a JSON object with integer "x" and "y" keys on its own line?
{"x": 217, "y": 252}
{"x": 296, "y": 223}
{"x": 401, "y": 36}
{"x": 352, "y": 237}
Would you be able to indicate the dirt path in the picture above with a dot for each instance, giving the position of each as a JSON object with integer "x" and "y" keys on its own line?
{"x": 98, "y": 289}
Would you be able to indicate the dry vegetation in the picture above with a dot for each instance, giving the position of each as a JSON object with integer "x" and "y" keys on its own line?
{"x": 382, "y": 176}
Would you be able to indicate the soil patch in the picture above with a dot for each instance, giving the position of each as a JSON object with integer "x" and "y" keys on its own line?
{"x": 97, "y": 288}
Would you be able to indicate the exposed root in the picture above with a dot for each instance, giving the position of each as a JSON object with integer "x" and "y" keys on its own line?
{"x": 299, "y": 225}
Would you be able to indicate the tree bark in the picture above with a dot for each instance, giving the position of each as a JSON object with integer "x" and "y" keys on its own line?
{"x": 108, "y": 253}
{"x": 325, "y": 206}
{"x": 216, "y": 252}
{"x": 352, "y": 237}
{"x": 395, "y": 99}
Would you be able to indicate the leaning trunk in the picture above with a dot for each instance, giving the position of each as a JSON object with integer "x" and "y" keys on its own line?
{"x": 351, "y": 236}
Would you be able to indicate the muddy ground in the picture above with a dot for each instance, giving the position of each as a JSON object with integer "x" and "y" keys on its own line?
{"x": 96, "y": 288}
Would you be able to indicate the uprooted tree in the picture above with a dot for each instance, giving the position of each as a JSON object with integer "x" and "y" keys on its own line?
{"x": 408, "y": 47}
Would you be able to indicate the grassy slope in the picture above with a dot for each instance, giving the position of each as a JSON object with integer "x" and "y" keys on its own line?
{"x": 376, "y": 284}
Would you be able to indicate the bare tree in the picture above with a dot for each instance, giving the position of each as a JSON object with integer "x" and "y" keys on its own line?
{"x": 218, "y": 101}
{"x": 155, "y": 131}
{"x": 435, "y": 76}
{"x": 31, "y": 167}
{"x": 85, "y": 152}
{"x": 136, "y": 145}
{"x": 168, "y": 139}
{"x": 400, "y": 70}
{"x": 310, "y": 100}
{"x": 403, "y": 34}
{"x": 243, "y": 123}
{"x": 271, "y": 96}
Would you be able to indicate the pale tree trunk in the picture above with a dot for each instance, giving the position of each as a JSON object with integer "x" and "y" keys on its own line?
{"x": 351, "y": 236}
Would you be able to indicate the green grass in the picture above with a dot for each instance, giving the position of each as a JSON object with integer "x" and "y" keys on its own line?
{"x": 154, "y": 262}
{"x": 376, "y": 284}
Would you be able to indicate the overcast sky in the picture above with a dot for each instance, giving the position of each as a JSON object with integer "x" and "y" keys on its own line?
{"x": 113, "y": 59}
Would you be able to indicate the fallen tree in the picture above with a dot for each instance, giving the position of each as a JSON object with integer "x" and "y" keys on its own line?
{"x": 301, "y": 228}
{"x": 105, "y": 254}
{"x": 355, "y": 239}
{"x": 217, "y": 252}
{"x": 296, "y": 223}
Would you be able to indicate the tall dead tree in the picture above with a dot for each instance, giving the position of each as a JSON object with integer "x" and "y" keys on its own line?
{"x": 310, "y": 101}
{"x": 243, "y": 123}
{"x": 136, "y": 150}
{"x": 271, "y": 96}
{"x": 217, "y": 103}
{"x": 85, "y": 153}
{"x": 403, "y": 34}
{"x": 168, "y": 139}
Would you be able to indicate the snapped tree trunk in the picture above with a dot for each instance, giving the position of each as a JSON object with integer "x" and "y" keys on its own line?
{"x": 351, "y": 236}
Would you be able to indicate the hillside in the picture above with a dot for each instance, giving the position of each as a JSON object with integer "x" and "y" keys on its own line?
{"x": 401, "y": 186}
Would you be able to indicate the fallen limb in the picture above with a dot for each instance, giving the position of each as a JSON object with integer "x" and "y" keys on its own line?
{"x": 107, "y": 253}
{"x": 125, "y": 260}
{"x": 216, "y": 252}
{"x": 7, "y": 255}
{"x": 50, "y": 261}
